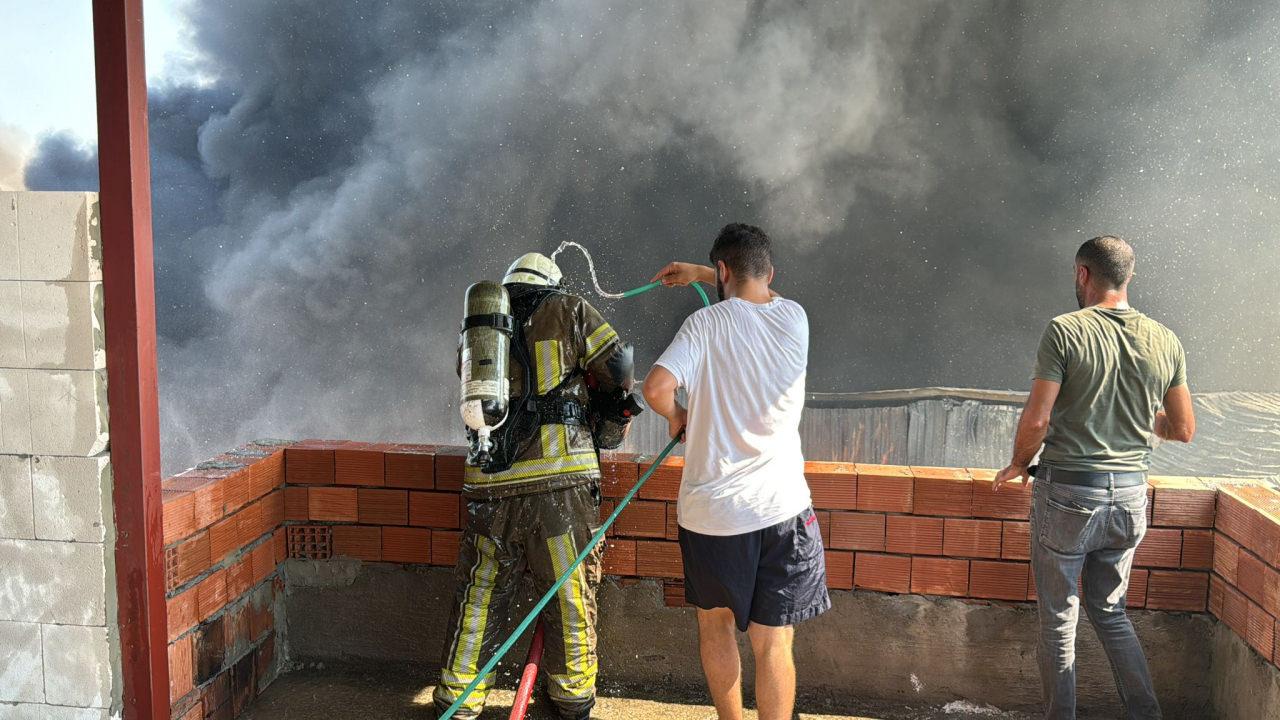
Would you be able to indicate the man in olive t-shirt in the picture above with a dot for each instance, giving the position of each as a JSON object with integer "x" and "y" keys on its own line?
{"x": 1107, "y": 379}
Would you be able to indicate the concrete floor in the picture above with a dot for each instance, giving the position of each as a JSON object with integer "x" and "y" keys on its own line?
{"x": 364, "y": 693}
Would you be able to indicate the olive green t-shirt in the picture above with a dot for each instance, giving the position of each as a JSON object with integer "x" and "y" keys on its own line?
{"x": 1115, "y": 367}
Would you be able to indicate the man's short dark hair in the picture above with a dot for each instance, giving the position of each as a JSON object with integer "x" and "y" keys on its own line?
{"x": 744, "y": 249}
{"x": 1108, "y": 257}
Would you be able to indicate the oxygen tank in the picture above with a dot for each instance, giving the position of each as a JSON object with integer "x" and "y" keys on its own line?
{"x": 486, "y": 336}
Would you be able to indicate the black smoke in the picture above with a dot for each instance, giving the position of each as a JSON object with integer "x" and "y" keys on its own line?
{"x": 926, "y": 171}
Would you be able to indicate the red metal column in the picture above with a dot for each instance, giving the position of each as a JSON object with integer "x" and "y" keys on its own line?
{"x": 128, "y": 285}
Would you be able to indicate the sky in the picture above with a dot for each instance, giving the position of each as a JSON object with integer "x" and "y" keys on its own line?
{"x": 47, "y": 83}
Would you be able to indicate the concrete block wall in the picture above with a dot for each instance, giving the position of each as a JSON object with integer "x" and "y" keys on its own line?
{"x": 59, "y": 652}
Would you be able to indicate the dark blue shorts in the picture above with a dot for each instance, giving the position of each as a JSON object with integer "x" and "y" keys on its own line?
{"x": 776, "y": 576}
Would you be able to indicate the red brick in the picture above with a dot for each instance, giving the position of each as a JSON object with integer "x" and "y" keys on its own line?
{"x": 308, "y": 466}
{"x": 358, "y": 466}
{"x": 673, "y": 594}
{"x": 1226, "y": 556}
{"x": 181, "y": 668}
{"x": 1235, "y": 610}
{"x": 406, "y": 545}
{"x": 1161, "y": 548}
{"x": 1137, "y": 593}
{"x": 618, "y": 473}
{"x": 885, "y": 573}
{"x": 1251, "y": 577}
{"x": 971, "y": 538}
{"x": 183, "y": 613}
{"x": 839, "y": 569}
{"x": 295, "y": 504}
{"x": 998, "y": 580}
{"x": 664, "y": 484}
{"x": 939, "y": 576}
{"x": 434, "y": 509}
{"x": 1015, "y": 541}
{"x": 207, "y": 491}
{"x": 179, "y": 515}
{"x": 858, "y": 531}
{"x": 309, "y": 542}
{"x": 236, "y": 626}
{"x": 211, "y": 595}
{"x": 1271, "y": 591}
{"x": 1011, "y": 502}
{"x": 1183, "y": 502}
{"x": 942, "y": 491}
{"x": 1260, "y": 630}
{"x": 383, "y": 507}
{"x": 409, "y": 470}
{"x": 266, "y": 474}
{"x": 263, "y": 558}
{"x": 280, "y": 545}
{"x": 214, "y": 695}
{"x": 358, "y": 541}
{"x": 224, "y": 537}
{"x": 189, "y": 559}
{"x": 913, "y": 535}
{"x": 620, "y": 557}
{"x": 1197, "y": 549}
{"x": 1177, "y": 590}
{"x": 450, "y": 464}
{"x": 444, "y": 547}
{"x": 833, "y": 485}
{"x": 658, "y": 559}
{"x": 673, "y": 522}
{"x": 1217, "y": 595}
{"x": 332, "y": 503}
{"x": 643, "y": 518}
{"x": 236, "y": 490}
{"x": 885, "y": 488}
{"x": 240, "y": 577}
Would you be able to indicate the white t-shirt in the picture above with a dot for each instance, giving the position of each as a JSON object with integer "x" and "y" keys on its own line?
{"x": 743, "y": 366}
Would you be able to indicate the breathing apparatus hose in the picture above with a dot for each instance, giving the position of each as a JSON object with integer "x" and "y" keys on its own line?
{"x": 582, "y": 554}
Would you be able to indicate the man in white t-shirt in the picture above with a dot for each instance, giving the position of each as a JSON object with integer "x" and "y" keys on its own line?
{"x": 749, "y": 539}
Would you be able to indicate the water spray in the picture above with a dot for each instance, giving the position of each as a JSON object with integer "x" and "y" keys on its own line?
{"x": 595, "y": 282}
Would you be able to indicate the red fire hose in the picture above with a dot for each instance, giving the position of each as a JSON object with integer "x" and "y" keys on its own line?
{"x": 530, "y": 676}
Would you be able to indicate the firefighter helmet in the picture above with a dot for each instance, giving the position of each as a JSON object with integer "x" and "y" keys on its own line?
{"x": 533, "y": 269}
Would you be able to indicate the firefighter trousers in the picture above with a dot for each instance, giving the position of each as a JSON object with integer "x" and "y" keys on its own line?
{"x": 543, "y": 533}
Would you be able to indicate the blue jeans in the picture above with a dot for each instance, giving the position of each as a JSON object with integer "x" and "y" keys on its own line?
{"x": 1088, "y": 534}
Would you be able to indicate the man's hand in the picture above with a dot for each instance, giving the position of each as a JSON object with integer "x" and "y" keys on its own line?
{"x": 1009, "y": 474}
{"x": 676, "y": 422}
{"x": 678, "y": 273}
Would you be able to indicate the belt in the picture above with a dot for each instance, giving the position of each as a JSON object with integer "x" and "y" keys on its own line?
{"x": 1092, "y": 479}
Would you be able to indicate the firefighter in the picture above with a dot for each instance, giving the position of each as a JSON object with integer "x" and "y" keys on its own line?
{"x": 533, "y": 501}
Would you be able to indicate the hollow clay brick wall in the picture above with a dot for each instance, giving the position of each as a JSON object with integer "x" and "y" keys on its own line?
{"x": 1211, "y": 544}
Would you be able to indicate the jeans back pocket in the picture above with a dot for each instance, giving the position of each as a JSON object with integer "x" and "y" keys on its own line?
{"x": 1064, "y": 525}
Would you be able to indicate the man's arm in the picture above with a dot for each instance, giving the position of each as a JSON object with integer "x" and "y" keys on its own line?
{"x": 678, "y": 273}
{"x": 1177, "y": 421}
{"x": 1032, "y": 427}
{"x": 660, "y": 394}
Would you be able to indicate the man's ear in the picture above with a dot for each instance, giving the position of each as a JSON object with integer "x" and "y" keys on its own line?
{"x": 722, "y": 272}
{"x": 769, "y": 280}
{"x": 1082, "y": 274}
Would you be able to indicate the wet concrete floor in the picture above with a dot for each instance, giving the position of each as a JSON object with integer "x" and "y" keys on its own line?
{"x": 363, "y": 693}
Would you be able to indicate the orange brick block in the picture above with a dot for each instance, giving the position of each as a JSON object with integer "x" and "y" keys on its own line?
{"x": 885, "y": 488}
{"x": 942, "y": 491}
{"x": 406, "y": 545}
{"x": 1015, "y": 540}
{"x": 833, "y": 485}
{"x": 885, "y": 573}
{"x": 1260, "y": 630}
{"x": 211, "y": 595}
{"x": 618, "y": 473}
{"x": 237, "y": 490}
{"x": 664, "y": 484}
{"x": 1226, "y": 556}
{"x": 1197, "y": 549}
{"x": 620, "y": 557}
{"x": 1160, "y": 548}
{"x": 358, "y": 541}
{"x": 658, "y": 559}
{"x": 181, "y": 668}
{"x": 183, "y": 613}
{"x": 224, "y": 537}
{"x": 971, "y": 538}
{"x": 333, "y": 504}
{"x": 358, "y": 466}
{"x": 240, "y": 577}
{"x": 295, "y": 504}
{"x": 263, "y": 558}
{"x": 444, "y": 547}
{"x": 1251, "y": 576}
{"x": 858, "y": 531}
{"x": 1137, "y": 592}
{"x": 265, "y": 474}
{"x": 911, "y": 535}
{"x": 1177, "y": 590}
{"x": 187, "y": 560}
{"x": 207, "y": 493}
{"x": 1183, "y": 502}
{"x": 998, "y": 580}
{"x": 939, "y": 576}
{"x": 435, "y": 509}
{"x": 839, "y": 569}
{"x": 378, "y": 506}
{"x": 643, "y": 518}
{"x": 1011, "y": 502}
{"x": 824, "y": 526}
{"x": 178, "y": 513}
{"x": 450, "y": 466}
{"x": 410, "y": 470}
{"x": 308, "y": 466}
